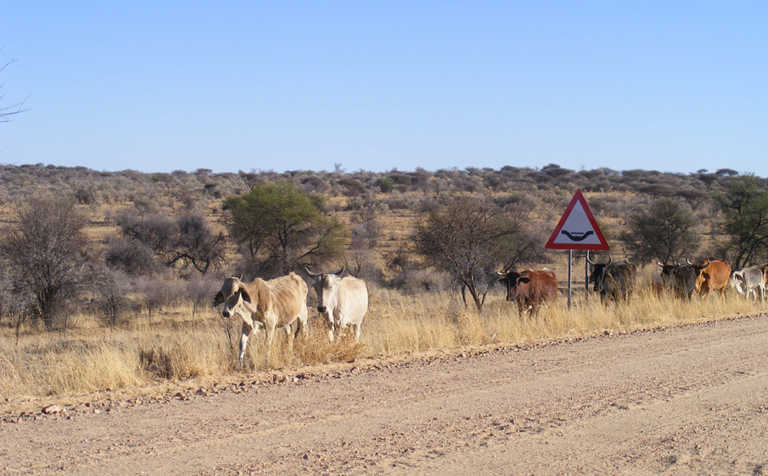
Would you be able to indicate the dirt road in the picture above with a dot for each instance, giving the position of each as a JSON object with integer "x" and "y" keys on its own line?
{"x": 682, "y": 400}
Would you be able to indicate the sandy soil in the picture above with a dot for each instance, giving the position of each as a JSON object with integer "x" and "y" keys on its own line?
{"x": 677, "y": 401}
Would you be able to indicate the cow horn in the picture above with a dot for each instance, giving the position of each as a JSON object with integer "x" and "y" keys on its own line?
{"x": 688, "y": 260}
{"x": 339, "y": 272}
{"x": 589, "y": 260}
{"x": 660, "y": 264}
{"x": 500, "y": 274}
{"x": 610, "y": 259}
{"x": 310, "y": 273}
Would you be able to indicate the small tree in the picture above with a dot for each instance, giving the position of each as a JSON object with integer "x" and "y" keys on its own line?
{"x": 196, "y": 244}
{"x": 663, "y": 231}
{"x": 279, "y": 226}
{"x": 47, "y": 255}
{"x": 183, "y": 241}
{"x": 200, "y": 290}
{"x": 111, "y": 295}
{"x": 469, "y": 238}
{"x": 745, "y": 206}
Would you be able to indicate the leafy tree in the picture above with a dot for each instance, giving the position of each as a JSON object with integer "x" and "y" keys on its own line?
{"x": 745, "y": 206}
{"x": 279, "y": 226}
{"x": 385, "y": 184}
{"x": 46, "y": 255}
{"x": 469, "y": 238}
{"x": 664, "y": 230}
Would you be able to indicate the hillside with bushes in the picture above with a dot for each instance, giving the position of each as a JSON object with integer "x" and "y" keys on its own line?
{"x": 176, "y": 228}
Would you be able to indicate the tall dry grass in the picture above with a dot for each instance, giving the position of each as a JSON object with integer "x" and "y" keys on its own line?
{"x": 175, "y": 346}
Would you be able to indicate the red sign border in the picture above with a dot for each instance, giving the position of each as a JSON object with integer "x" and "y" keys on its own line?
{"x": 602, "y": 246}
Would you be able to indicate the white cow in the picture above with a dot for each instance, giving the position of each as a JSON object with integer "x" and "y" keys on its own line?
{"x": 269, "y": 304}
{"x": 342, "y": 301}
{"x": 749, "y": 281}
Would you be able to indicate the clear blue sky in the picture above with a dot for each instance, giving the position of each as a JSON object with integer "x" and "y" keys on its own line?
{"x": 161, "y": 86}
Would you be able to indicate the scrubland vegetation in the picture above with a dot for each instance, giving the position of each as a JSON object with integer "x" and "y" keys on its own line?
{"x": 108, "y": 276}
{"x": 177, "y": 346}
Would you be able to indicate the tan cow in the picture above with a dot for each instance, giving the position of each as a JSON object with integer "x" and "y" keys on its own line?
{"x": 275, "y": 303}
{"x": 713, "y": 275}
{"x": 341, "y": 301}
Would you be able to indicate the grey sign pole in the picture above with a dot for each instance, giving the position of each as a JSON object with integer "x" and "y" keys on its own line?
{"x": 570, "y": 263}
{"x": 586, "y": 276}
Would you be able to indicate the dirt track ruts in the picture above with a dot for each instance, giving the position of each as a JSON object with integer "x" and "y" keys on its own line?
{"x": 683, "y": 400}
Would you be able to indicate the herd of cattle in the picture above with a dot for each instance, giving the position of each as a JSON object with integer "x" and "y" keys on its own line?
{"x": 281, "y": 303}
{"x": 616, "y": 281}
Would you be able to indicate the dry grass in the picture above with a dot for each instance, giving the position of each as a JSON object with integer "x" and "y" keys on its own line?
{"x": 174, "y": 346}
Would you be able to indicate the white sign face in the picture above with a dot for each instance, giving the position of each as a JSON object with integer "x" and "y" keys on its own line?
{"x": 577, "y": 229}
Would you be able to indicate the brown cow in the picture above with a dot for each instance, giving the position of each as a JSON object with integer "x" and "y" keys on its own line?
{"x": 713, "y": 275}
{"x": 529, "y": 288}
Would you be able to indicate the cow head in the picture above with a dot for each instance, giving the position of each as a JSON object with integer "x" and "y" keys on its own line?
{"x": 598, "y": 272}
{"x": 326, "y": 285}
{"x": 666, "y": 270}
{"x": 510, "y": 280}
{"x": 228, "y": 288}
{"x": 231, "y": 294}
{"x": 738, "y": 282}
{"x": 669, "y": 270}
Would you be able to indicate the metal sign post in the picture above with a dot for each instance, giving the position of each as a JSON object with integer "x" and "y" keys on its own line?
{"x": 586, "y": 276}
{"x": 577, "y": 230}
{"x": 570, "y": 262}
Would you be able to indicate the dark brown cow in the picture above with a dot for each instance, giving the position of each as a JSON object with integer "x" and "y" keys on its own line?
{"x": 681, "y": 278}
{"x": 614, "y": 281}
{"x": 530, "y": 288}
{"x": 713, "y": 275}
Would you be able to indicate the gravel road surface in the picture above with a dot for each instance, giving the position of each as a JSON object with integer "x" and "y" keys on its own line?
{"x": 683, "y": 400}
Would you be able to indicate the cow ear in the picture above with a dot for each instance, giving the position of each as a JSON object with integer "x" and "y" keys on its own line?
{"x": 739, "y": 277}
{"x": 246, "y": 295}
{"x": 523, "y": 279}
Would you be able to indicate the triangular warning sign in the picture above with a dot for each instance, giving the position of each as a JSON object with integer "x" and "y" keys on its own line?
{"x": 577, "y": 229}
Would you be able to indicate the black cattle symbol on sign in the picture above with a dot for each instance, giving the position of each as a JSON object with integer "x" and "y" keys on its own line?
{"x": 577, "y": 235}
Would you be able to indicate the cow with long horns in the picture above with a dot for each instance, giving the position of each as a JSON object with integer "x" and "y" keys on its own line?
{"x": 613, "y": 281}
{"x": 680, "y": 278}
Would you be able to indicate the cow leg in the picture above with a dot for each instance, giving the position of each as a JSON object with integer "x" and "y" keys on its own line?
{"x": 358, "y": 330}
{"x": 303, "y": 321}
{"x": 269, "y": 334}
{"x": 245, "y": 331}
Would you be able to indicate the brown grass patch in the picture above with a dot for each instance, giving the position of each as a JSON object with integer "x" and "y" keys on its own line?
{"x": 173, "y": 346}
